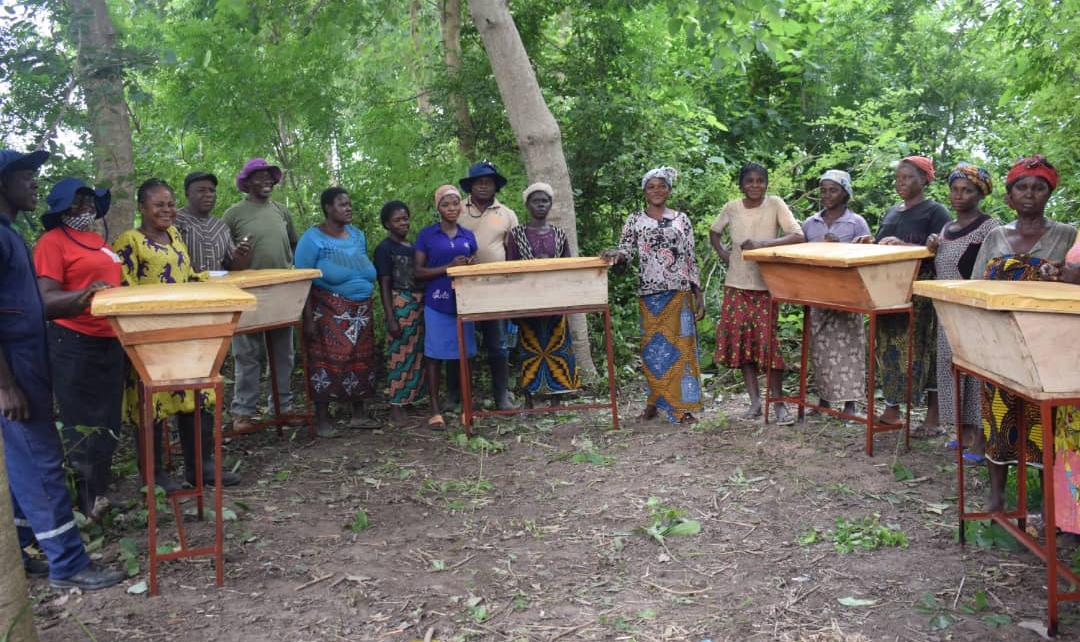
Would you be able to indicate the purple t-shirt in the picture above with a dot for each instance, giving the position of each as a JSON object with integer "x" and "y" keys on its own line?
{"x": 440, "y": 250}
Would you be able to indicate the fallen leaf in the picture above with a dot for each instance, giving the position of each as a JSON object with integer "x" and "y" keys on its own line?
{"x": 138, "y": 588}
{"x": 854, "y": 601}
{"x": 1037, "y": 626}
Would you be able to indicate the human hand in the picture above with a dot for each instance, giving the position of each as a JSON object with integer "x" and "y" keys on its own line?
{"x": 891, "y": 240}
{"x": 865, "y": 240}
{"x": 88, "y": 291}
{"x": 13, "y": 403}
{"x": 1051, "y": 270}
{"x": 612, "y": 256}
{"x": 393, "y": 328}
{"x": 699, "y": 305}
{"x": 932, "y": 242}
{"x": 749, "y": 244}
{"x": 243, "y": 248}
{"x": 460, "y": 260}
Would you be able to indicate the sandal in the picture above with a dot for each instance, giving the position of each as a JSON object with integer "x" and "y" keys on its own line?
{"x": 436, "y": 422}
{"x": 364, "y": 423}
{"x": 784, "y": 416}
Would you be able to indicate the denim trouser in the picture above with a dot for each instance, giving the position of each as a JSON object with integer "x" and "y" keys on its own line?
{"x": 247, "y": 359}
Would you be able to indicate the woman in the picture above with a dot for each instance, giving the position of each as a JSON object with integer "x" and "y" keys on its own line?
{"x": 1017, "y": 252}
{"x": 337, "y": 318}
{"x": 72, "y": 263}
{"x": 744, "y": 318}
{"x": 548, "y": 363}
{"x": 439, "y": 247}
{"x": 155, "y": 253}
{"x": 910, "y": 223}
{"x": 670, "y": 300}
{"x": 403, "y": 304}
{"x": 837, "y": 339}
{"x": 955, "y": 250}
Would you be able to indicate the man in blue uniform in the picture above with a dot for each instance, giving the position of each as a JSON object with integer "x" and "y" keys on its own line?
{"x": 32, "y": 448}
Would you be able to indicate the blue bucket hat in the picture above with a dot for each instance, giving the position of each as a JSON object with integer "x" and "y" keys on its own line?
{"x": 483, "y": 168}
{"x": 63, "y": 194}
{"x": 13, "y": 161}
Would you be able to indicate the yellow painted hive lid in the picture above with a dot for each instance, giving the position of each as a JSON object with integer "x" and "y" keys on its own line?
{"x": 171, "y": 298}
{"x": 837, "y": 254}
{"x": 1032, "y": 296}
{"x": 534, "y": 265}
{"x": 256, "y": 278}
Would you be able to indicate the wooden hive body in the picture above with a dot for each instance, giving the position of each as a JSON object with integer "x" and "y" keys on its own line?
{"x": 521, "y": 286}
{"x": 845, "y": 274}
{"x": 280, "y": 295}
{"x": 1020, "y": 333}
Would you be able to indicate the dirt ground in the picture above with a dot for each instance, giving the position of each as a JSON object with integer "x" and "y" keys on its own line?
{"x": 535, "y": 533}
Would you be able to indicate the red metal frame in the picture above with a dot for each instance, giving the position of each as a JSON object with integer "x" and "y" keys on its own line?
{"x": 146, "y": 413}
{"x": 873, "y": 426}
{"x": 468, "y": 413}
{"x": 1046, "y": 552}
{"x": 280, "y": 420}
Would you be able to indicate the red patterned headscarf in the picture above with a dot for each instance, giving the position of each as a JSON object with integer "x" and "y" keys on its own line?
{"x": 1034, "y": 165}
{"x": 923, "y": 163}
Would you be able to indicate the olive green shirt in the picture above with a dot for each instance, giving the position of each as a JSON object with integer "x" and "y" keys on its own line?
{"x": 270, "y": 228}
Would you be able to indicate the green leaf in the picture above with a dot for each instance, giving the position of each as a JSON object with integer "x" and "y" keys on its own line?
{"x": 981, "y": 603}
{"x": 854, "y": 601}
{"x": 941, "y": 621}
{"x": 685, "y": 527}
{"x": 901, "y": 472}
{"x": 995, "y": 620}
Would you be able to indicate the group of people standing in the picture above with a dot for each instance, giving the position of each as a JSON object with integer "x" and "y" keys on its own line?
{"x": 973, "y": 245}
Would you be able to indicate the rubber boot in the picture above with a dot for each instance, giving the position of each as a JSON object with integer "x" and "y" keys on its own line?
{"x": 186, "y": 424}
{"x": 453, "y": 386}
{"x": 161, "y": 478}
{"x": 500, "y": 377}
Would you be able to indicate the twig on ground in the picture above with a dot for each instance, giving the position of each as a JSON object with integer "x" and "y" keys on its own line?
{"x": 314, "y": 582}
{"x": 959, "y": 590}
{"x": 674, "y": 592}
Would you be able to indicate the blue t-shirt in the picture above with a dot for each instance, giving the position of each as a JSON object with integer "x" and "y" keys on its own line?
{"x": 346, "y": 269}
{"x": 440, "y": 250}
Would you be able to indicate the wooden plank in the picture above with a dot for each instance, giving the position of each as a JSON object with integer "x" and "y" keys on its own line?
{"x": 990, "y": 340}
{"x": 255, "y": 278}
{"x": 189, "y": 359}
{"x": 531, "y": 291}
{"x": 1047, "y": 338}
{"x": 889, "y": 284}
{"x": 172, "y": 335}
{"x": 171, "y": 298}
{"x": 139, "y": 323}
{"x": 836, "y": 254}
{"x": 276, "y": 304}
{"x": 1043, "y": 296}
{"x": 536, "y": 265}
{"x": 838, "y": 286}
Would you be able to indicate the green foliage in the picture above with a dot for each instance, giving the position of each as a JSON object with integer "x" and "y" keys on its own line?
{"x": 476, "y": 443}
{"x": 360, "y": 522}
{"x": 867, "y": 534}
{"x": 665, "y": 521}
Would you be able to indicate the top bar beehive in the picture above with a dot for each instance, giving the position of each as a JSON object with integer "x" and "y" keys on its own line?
{"x": 522, "y": 286}
{"x": 847, "y": 274}
{"x": 280, "y": 293}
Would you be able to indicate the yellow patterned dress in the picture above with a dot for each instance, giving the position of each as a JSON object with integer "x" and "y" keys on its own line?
{"x": 144, "y": 262}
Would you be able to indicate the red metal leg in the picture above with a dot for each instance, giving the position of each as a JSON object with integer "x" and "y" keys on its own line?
{"x": 769, "y": 336}
{"x": 611, "y": 368}
{"x": 1046, "y": 414}
{"x": 307, "y": 389}
{"x": 268, "y": 344}
{"x": 804, "y": 367}
{"x": 871, "y": 417}
{"x": 147, "y": 428}
{"x": 198, "y": 455}
{"x": 465, "y": 385}
{"x": 219, "y": 530}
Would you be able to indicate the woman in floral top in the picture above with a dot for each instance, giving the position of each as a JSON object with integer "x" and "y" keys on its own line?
{"x": 669, "y": 296}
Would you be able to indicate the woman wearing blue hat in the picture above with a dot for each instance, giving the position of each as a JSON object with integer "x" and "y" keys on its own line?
{"x": 72, "y": 263}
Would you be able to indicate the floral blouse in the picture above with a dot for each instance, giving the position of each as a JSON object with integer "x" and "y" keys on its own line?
{"x": 144, "y": 261}
{"x": 665, "y": 251}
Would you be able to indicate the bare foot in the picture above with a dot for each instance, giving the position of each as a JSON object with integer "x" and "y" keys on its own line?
{"x": 754, "y": 410}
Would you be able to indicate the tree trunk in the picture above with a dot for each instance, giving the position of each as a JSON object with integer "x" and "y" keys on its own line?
{"x": 13, "y": 593}
{"x": 450, "y": 24}
{"x": 538, "y": 135}
{"x": 101, "y": 79}
{"x": 423, "y": 101}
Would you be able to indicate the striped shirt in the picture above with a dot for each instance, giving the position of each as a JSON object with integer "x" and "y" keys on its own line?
{"x": 208, "y": 240}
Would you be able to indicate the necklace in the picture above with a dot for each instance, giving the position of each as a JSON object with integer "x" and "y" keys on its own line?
{"x": 80, "y": 243}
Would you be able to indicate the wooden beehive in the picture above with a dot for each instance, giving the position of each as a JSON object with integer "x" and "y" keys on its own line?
{"x": 848, "y": 274}
{"x": 280, "y": 294}
{"x": 175, "y": 331}
{"x": 522, "y": 286}
{"x": 1021, "y": 333}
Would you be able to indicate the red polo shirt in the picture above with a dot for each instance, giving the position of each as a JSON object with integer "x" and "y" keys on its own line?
{"x": 76, "y": 259}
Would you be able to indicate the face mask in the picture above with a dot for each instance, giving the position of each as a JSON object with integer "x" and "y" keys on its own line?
{"x": 82, "y": 222}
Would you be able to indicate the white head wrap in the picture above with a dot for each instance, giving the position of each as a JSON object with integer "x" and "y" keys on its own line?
{"x": 666, "y": 173}
{"x": 537, "y": 187}
{"x": 841, "y": 178}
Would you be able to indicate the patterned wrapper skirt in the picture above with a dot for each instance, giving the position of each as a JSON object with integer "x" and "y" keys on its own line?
{"x": 891, "y": 350}
{"x": 166, "y": 404}
{"x": 1067, "y": 469}
{"x": 740, "y": 335}
{"x": 970, "y": 392}
{"x": 669, "y": 351}
{"x": 341, "y": 357}
{"x": 406, "y": 367}
{"x": 838, "y": 354}
{"x": 1000, "y": 410}
{"x": 547, "y": 355}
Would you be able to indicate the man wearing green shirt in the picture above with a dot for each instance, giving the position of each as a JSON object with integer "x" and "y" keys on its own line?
{"x": 268, "y": 228}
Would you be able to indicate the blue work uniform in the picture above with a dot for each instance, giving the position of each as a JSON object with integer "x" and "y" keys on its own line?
{"x": 32, "y": 449}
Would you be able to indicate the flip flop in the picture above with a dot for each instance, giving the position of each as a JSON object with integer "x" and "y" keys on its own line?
{"x": 436, "y": 422}
{"x": 972, "y": 457}
{"x": 952, "y": 444}
{"x": 364, "y": 424}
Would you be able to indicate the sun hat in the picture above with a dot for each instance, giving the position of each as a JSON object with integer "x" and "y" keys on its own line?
{"x": 63, "y": 193}
{"x": 479, "y": 170}
{"x": 252, "y": 166}
{"x": 13, "y": 161}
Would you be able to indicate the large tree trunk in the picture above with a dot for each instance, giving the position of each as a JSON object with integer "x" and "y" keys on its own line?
{"x": 537, "y": 132}
{"x": 13, "y": 594}
{"x": 101, "y": 79}
{"x": 423, "y": 101}
{"x": 450, "y": 25}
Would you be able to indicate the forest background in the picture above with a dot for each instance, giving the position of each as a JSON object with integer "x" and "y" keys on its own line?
{"x": 391, "y": 98}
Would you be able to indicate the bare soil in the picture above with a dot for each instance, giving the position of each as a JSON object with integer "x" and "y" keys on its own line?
{"x": 541, "y": 541}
